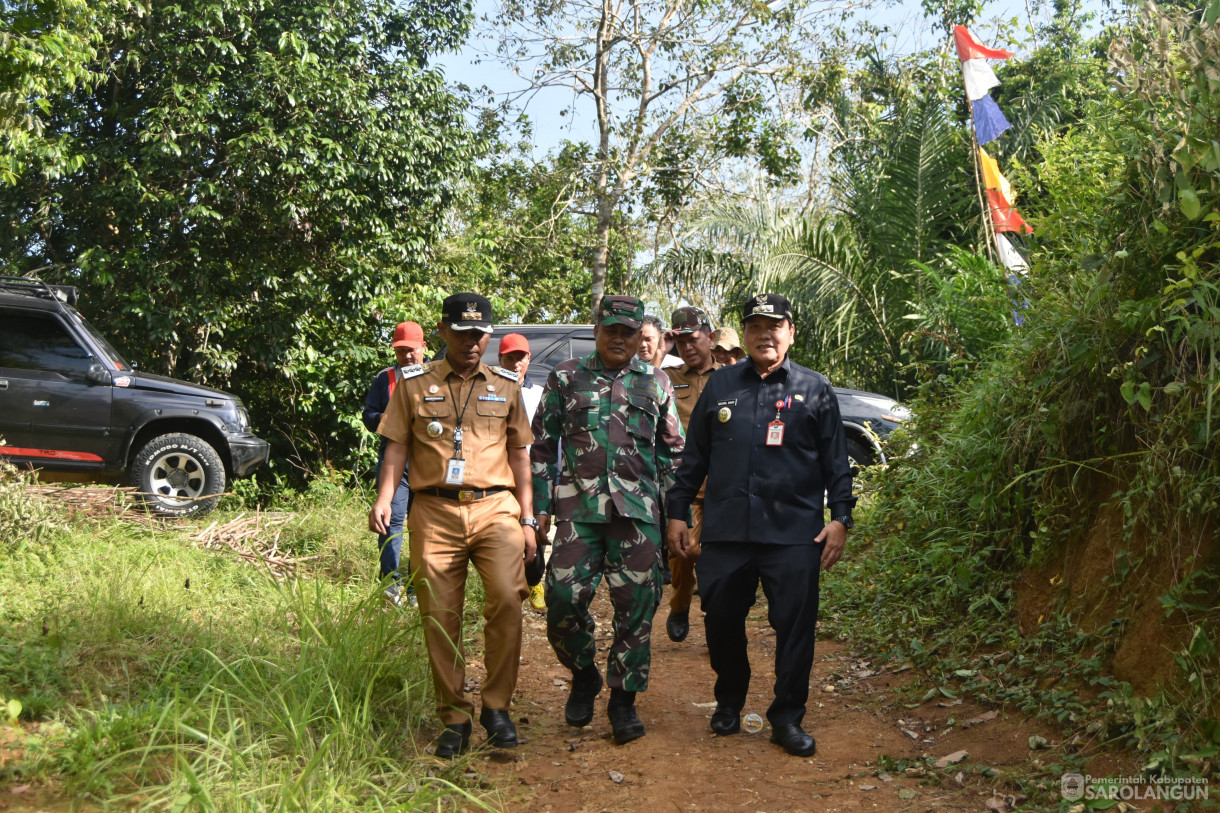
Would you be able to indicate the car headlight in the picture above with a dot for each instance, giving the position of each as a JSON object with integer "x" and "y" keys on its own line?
{"x": 899, "y": 413}
{"x": 891, "y": 409}
{"x": 243, "y": 419}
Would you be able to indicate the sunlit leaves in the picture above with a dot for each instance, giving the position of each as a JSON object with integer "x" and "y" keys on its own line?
{"x": 242, "y": 185}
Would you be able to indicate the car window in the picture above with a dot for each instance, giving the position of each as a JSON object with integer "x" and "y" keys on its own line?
{"x": 37, "y": 341}
{"x": 570, "y": 349}
{"x": 116, "y": 359}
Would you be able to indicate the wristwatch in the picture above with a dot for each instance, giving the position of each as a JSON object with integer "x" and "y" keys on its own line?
{"x": 845, "y": 519}
{"x": 530, "y": 521}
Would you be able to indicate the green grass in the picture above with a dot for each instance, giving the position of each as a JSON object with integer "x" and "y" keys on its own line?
{"x": 152, "y": 674}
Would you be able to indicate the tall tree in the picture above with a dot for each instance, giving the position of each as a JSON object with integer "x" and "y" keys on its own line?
{"x": 676, "y": 89}
{"x": 247, "y": 188}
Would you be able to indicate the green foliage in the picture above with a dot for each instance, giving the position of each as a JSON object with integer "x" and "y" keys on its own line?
{"x": 46, "y": 49}
{"x": 522, "y": 242}
{"x": 181, "y": 677}
{"x": 675, "y": 95}
{"x": 1095, "y": 420}
{"x": 884, "y": 296}
{"x": 247, "y": 195}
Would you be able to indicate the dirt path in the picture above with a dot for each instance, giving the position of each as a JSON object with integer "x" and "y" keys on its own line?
{"x": 680, "y": 765}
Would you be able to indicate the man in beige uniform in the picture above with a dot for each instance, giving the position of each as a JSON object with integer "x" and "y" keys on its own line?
{"x": 693, "y": 332}
{"x": 463, "y": 427}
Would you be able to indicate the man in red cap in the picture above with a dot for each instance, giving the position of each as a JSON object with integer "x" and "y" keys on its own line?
{"x": 515, "y": 355}
{"x": 409, "y": 351}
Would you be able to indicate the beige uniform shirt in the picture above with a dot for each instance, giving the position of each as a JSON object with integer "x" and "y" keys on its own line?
{"x": 493, "y": 422}
{"x": 688, "y": 386}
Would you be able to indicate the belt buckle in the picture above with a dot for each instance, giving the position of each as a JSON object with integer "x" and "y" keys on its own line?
{"x": 465, "y": 496}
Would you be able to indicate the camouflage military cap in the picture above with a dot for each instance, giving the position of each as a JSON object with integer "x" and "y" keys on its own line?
{"x": 688, "y": 320}
{"x": 621, "y": 310}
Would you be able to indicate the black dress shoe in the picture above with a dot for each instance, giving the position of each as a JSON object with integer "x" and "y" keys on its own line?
{"x": 585, "y": 686}
{"x": 725, "y": 721}
{"x": 678, "y": 625}
{"x": 624, "y": 722}
{"x": 794, "y": 740}
{"x": 453, "y": 741}
{"x": 501, "y": 733}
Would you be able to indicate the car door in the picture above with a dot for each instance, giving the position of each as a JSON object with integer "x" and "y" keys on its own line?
{"x": 49, "y": 410}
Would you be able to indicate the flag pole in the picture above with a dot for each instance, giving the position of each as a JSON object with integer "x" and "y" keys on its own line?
{"x": 984, "y": 207}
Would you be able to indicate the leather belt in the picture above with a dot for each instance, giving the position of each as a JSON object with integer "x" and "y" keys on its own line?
{"x": 462, "y": 495}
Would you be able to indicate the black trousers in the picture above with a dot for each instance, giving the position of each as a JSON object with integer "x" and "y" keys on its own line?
{"x": 729, "y": 574}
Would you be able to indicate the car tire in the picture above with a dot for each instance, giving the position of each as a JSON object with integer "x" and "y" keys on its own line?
{"x": 859, "y": 455}
{"x": 178, "y": 475}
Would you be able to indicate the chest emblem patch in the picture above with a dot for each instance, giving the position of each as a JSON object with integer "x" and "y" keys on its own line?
{"x": 724, "y": 414}
{"x": 434, "y": 389}
{"x": 434, "y": 429}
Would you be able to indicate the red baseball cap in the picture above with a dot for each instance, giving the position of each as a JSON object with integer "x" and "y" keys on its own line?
{"x": 408, "y": 334}
{"x": 514, "y": 342}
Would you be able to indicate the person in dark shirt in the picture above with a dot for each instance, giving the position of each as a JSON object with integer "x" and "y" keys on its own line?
{"x": 409, "y": 349}
{"x": 767, "y": 437}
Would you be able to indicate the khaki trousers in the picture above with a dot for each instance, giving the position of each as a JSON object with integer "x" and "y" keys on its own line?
{"x": 446, "y": 536}
{"x": 682, "y": 571}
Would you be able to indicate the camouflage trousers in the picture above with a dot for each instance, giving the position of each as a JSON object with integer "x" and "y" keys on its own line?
{"x": 628, "y": 553}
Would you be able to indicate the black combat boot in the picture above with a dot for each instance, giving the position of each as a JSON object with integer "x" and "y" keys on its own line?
{"x": 624, "y": 722}
{"x": 585, "y": 686}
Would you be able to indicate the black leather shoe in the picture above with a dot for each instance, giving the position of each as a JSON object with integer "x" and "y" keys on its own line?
{"x": 725, "y": 721}
{"x": 678, "y": 625}
{"x": 501, "y": 733}
{"x": 794, "y": 740}
{"x": 625, "y": 723}
{"x": 585, "y": 686}
{"x": 453, "y": 741}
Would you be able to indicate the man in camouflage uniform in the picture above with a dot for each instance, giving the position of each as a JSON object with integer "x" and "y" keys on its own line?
{"x": 693, "y": 331}
{"x": 621, "y": 439}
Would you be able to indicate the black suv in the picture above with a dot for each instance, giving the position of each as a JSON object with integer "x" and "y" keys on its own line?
{"x": 868, "y": 418}
{"x": 73, "y": 408}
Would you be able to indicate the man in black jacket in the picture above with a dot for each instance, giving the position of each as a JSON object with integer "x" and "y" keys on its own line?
{"x": 767, "y": 437}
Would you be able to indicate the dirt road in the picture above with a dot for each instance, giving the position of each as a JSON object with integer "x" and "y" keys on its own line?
{"x": 680, "y": 765}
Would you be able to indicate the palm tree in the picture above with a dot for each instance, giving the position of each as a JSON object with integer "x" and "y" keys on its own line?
{"x": 858, "y": 273}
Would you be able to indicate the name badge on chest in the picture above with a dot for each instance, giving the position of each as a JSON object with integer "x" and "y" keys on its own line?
{"x": 775, "y": 429}
{"x": 455, "y": 472}
{"x": 775, "y": 433}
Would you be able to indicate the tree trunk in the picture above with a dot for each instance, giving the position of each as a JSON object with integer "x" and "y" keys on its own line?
{"x": 603, "y": 195}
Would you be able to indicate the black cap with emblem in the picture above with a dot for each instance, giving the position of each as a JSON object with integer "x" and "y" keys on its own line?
{"x": 773, "y": 306}
{"x": 467, "y": 312}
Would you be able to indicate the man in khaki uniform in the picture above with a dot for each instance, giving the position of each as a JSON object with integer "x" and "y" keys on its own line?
{"x": 462, "y": 426}
{"x": 693, "y": 332}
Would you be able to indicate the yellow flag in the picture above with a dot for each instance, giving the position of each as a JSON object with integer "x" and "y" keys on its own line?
{"x": 992, "y": 179}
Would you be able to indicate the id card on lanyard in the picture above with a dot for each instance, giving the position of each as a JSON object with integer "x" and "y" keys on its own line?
{"x": 775, "y": 433}
{"x": 775, "y": 429}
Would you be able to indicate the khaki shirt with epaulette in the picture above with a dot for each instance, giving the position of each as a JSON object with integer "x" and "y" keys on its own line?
{"x": 688, "y": 386}
{"x": 494, "y": 421}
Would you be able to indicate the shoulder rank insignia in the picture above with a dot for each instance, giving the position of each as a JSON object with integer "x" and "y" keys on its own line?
{"x": 509, "y": 374}
{"x": 414, "y": 370}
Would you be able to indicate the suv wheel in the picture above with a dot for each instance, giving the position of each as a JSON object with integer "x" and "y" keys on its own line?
{"x": 858, "y": 455}
{"x": 178, "y": 475}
